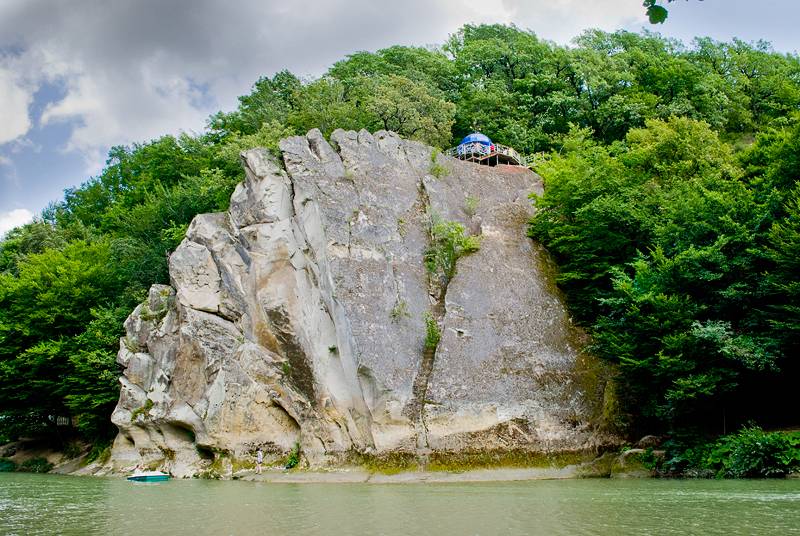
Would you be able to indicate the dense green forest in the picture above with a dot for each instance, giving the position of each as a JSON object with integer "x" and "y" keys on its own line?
{"x": 672, "y": 206}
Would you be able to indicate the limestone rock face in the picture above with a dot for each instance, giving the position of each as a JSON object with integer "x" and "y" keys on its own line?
{"x": 298, "y": 318}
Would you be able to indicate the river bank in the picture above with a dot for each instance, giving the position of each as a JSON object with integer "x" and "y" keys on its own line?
{"x": 627, "y": 463}
{"x": 37, "y": 457}
{"x": 362, "y": 476}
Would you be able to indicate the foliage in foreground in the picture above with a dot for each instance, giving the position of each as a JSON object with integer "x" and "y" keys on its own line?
{"x": 749, "y": 453}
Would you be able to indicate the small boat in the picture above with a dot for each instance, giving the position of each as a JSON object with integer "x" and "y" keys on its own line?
{"x": 148, "y": 476}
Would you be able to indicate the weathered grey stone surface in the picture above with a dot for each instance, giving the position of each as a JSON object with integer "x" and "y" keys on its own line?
{"x": 298, "y": 317}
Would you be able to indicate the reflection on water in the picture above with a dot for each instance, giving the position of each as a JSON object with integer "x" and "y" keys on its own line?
{"x": 48, "y": 504}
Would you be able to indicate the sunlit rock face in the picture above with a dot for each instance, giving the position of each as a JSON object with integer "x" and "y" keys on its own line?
{"x": 298, "y": 318}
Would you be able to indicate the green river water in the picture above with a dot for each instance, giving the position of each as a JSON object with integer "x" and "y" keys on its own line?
{"x": 48, "y": 504}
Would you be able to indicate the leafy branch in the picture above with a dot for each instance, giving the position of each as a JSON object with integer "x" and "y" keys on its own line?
{"x": 656, "y": 13}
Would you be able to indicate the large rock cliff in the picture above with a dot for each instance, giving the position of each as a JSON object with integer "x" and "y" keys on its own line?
{"x": 298, "y": 317}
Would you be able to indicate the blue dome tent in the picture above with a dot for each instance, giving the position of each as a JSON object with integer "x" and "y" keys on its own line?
{"x": 479, "y": 149}
{"x": 477, "y": 137}
{"x": 475, "y": 143}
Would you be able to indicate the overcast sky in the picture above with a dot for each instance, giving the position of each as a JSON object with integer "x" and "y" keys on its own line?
{"x": 78, "y": 77}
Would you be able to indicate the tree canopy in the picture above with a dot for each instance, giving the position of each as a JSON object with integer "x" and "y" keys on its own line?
{"x": 671, "y": 205}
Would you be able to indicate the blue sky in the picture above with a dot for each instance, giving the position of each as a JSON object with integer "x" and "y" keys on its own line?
{"x": 78, "y": 77}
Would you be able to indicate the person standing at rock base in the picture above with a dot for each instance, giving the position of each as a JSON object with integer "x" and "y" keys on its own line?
{"x": 259, "y": 460}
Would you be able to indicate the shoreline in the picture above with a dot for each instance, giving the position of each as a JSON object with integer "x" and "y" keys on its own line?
{"x": 362, "y": 476}
{"x": 561, "y": 467}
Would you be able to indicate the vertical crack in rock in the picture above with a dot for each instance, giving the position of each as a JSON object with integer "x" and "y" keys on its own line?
{"x": 415, "y": 409}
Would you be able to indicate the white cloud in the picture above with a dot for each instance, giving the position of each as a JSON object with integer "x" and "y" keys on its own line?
{"x": 14, "y": 102}
{"x": 132, "y": 71}
{"x": 562, "y": 20}
{"x": 14, "y": 218}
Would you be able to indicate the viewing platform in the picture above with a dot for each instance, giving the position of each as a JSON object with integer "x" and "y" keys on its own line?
{"x": 478, "y": 148}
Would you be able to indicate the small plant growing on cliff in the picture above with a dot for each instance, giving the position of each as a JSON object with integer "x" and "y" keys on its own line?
{"x": 432, "y": 333}
{"x": 333, "y": 349}
{"x": 437, "y": 169}
{"x": 157, "y": 315}
{"x": 471, "y": 206}
{"x": 400, "y": 310}
{"x": 449, "y": 242}
{"x": 131, "y": 345}
{"x": 294, "y": 457}
{"x": 144, "y": 410}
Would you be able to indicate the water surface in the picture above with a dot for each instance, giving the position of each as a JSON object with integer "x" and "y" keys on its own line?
{"x": 49, "y": 504}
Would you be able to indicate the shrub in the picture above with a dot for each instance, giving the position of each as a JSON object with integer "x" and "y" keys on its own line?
{"x": 754, "y": 453}
{"x": 448, "y": 244}
{"x": 749, "y": 453}
{"x": 100, "y": 451}
{"x": 294, "y": 457}
{"x": 72, "y": 449}
{"x": 432, "y": 333}
{"x": 7, "y": 466}
{"x": 36, "y": 465}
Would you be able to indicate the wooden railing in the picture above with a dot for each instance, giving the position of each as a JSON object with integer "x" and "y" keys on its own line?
{"x": 479, "y": 152}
